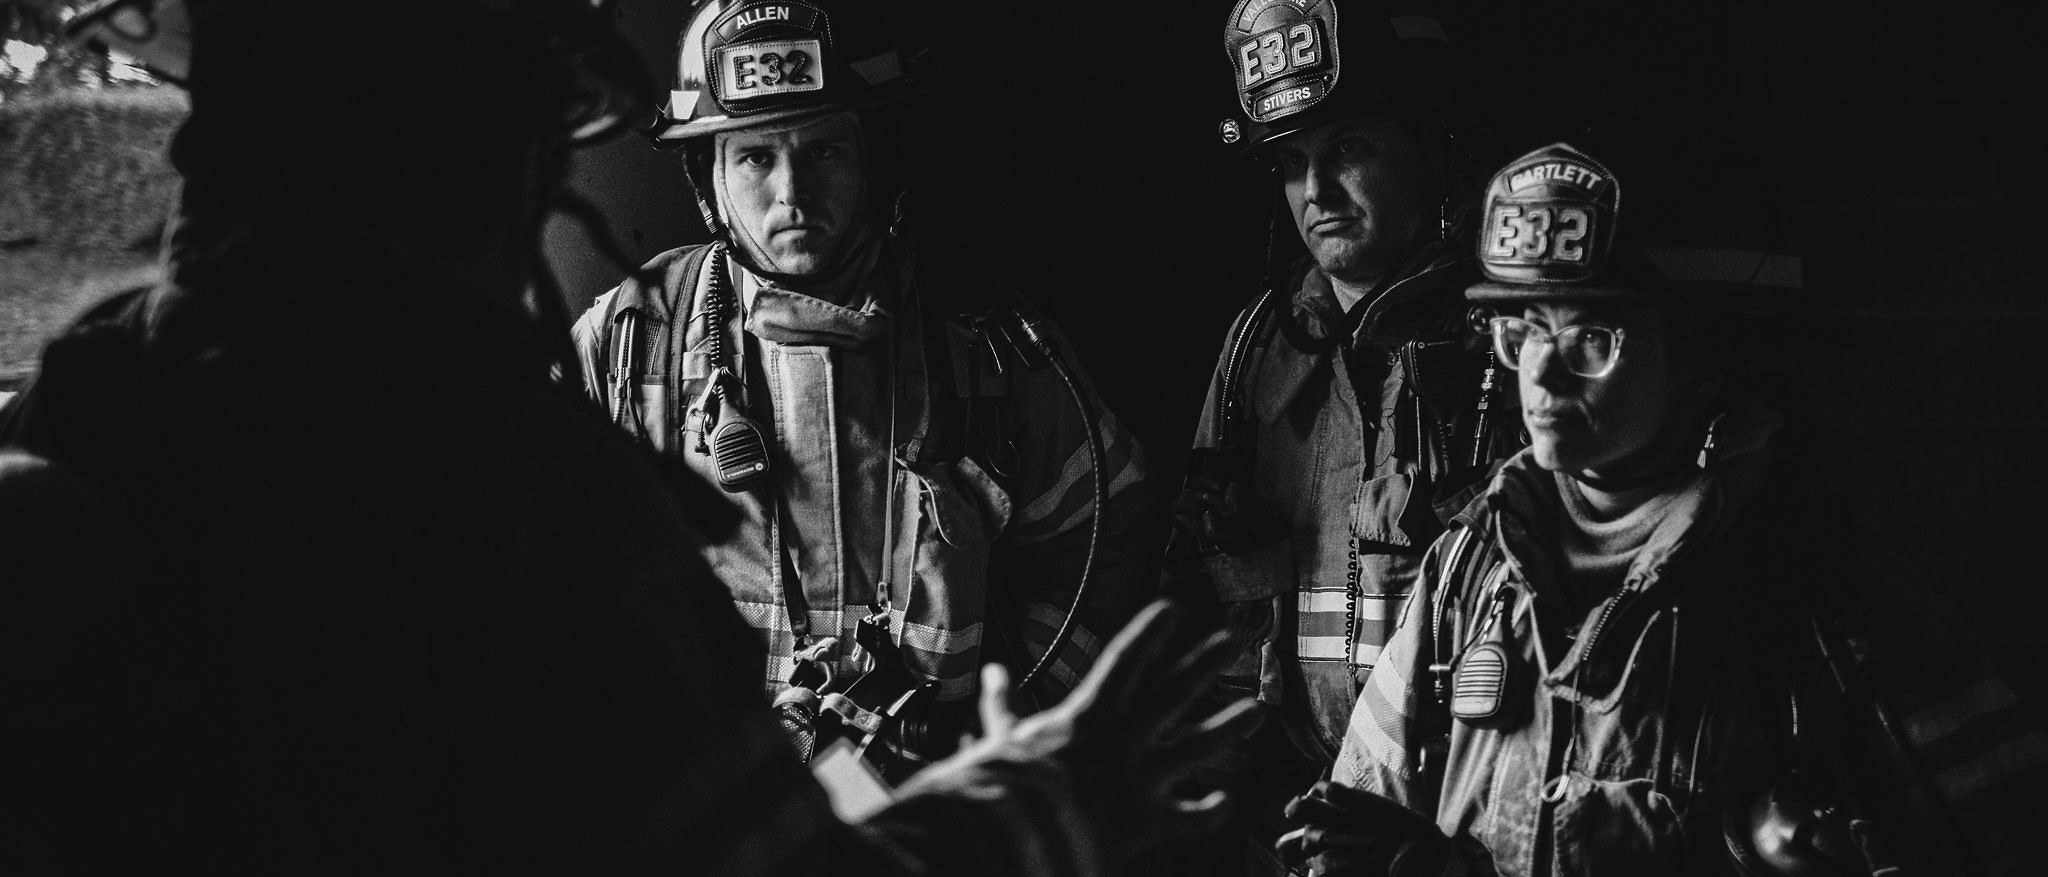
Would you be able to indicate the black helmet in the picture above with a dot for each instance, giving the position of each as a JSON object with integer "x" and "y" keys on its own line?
{"x": 1554, "y": 229}
{"x": 741, "y": 63}
{"x": 1296, "y": 64}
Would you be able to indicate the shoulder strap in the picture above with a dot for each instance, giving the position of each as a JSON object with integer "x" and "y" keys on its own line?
{"x": 1457, "y": 569}
{"x": 972, "y": 380}
{"x": 1456, "y": 580}
{"x": 951, "y": 378}
{"x": 1236, "y": 359}
{"x": 630, "y": 343}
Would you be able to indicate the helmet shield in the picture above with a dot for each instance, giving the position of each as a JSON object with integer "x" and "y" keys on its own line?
{"x": 1294, "y": 64}
{"x": 1549, "y": 220}
{"x": 741, "y": 63}
{"x": 1554, "y": 230}
{"x": 1284, "y": 55}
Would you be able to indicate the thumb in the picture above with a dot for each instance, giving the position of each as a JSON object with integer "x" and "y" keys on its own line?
{"x": 996, "y": 717}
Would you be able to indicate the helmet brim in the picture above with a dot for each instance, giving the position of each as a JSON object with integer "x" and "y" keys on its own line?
{"x": 1257, "y": 137}
{"x": 1535, "y": 292}
{"x": 1690, "y": 296}
{"x": 668, "y": 132}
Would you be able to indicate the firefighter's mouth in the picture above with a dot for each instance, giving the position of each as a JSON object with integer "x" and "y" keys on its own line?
{"x": 1332, "y": 224}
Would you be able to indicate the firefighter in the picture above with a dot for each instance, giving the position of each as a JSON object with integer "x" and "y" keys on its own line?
{"x": 1350, "y": 404}
{"x": 330, "y": 575}
{"x": 1652, "y": 645}
{"x": 920, "y": 493}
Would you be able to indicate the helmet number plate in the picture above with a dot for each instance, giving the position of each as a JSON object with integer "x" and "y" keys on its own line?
{"x": 1534, "y": 234}
{"x": 767, "y": 69}
{"x": 1279, "y": 53}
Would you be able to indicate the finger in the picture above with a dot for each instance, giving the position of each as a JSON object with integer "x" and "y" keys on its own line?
{"x": 1195, "y": 817}
{"x": 1292, "y": 847}
{"x": 1191, "y": 680}
{"x": 1306, "y": 800}
{"x": 1190, "y": 684}
{"x": 1132, "y": 657}
{"x": 1215, "y": 802}
{"x": 996, "y": 717}
{"x": 1222, "y": 730}
{"x": 1369, "y": 806}
{"x": 1190, "y": 763}
{"x": 1317, "y": 838}
{"x": 1315, "y": 810}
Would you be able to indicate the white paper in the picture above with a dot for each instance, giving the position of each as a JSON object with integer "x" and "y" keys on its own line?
{"x": 854, "y": 787}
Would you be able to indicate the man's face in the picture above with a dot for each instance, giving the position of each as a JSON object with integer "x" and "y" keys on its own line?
{"x": 1579, "y": 424}
{"x": 1360, "y": 191}
{"x": 793, "y": 193}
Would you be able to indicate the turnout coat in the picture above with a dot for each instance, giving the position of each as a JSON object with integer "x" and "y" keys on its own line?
{"x": 1753, "y": 649}
{"x": 941, "y": 436}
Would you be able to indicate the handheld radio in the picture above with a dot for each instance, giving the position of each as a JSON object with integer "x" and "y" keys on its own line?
{"x": 737, "y": 445}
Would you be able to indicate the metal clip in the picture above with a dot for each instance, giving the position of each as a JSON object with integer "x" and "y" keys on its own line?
{"x": 702, "y": 415}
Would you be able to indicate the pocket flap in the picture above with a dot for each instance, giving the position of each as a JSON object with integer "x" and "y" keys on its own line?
{"x": 967, "y": 507}
{"x": 1378, "y": 508}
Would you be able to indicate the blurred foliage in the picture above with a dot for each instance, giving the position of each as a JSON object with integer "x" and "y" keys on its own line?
{"x": 86, "y": 170}
{"x": 68, "y": 65}
{"x": 35, "y": 21}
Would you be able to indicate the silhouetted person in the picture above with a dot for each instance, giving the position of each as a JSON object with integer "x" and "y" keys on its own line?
{"x": 406, "y": 602}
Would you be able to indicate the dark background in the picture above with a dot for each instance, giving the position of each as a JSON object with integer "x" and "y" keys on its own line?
{"x": 1074, "y": 161}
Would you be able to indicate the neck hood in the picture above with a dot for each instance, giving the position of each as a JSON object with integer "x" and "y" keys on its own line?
{"x": 1524, "y": 503}
{"x": 849, "y": 310}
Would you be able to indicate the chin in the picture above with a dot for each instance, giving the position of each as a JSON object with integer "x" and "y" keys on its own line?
{"x": 1336, "y": 258}
{"x": 1350, "y": 260}
{"x": 1554, "y": 455}
{"x": 800, "y": 264}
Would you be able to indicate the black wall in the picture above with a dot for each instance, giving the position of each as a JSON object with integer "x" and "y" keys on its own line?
{"x": 1076, "y": 162}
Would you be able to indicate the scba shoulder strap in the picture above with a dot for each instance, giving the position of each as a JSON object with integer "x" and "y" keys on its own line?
{"x": 984, "y": 354}
{"x": 971, "y": 381}
{"x": 1237, "y": 357}
{"x": 1454, "y": 585}
{"x": 1461, "y": 580}
{"x": 1439, "y": 371}
{"x": 637, "y": 323}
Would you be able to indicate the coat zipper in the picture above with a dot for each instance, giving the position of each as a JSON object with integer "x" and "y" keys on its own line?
{"x": 1600, "y": 623}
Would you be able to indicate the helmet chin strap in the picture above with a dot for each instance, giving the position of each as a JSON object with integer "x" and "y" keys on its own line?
{"x": 753, "y": 255}
{"x": 755, "y": 259}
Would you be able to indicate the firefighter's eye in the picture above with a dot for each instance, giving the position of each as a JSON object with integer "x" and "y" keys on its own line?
{"x": 1354, "y": 146}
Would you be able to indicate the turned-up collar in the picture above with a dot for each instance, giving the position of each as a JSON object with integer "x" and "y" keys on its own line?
{"x": 1523, "y": 502}
{"x": 1411, "y": 301}
{"x": 785, "y": 314}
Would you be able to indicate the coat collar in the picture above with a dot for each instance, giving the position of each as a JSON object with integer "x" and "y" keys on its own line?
{"x": 1412, "y": 300}
{"x": 787, "y": 315}
{"x": 1522, "y": 506}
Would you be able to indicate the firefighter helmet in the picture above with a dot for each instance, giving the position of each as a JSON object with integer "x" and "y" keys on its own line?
{"x": 1553, "y": 229}
{"x": 741, "y": 63}
{"x": 1296, "y": 64}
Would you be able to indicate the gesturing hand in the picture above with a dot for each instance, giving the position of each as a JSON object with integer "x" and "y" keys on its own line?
{"x": 1126, "y": 733}
{"x": 1347, "y": 831}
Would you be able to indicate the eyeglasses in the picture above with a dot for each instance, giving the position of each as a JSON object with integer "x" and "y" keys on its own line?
{"x": 1587, "y": 351}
